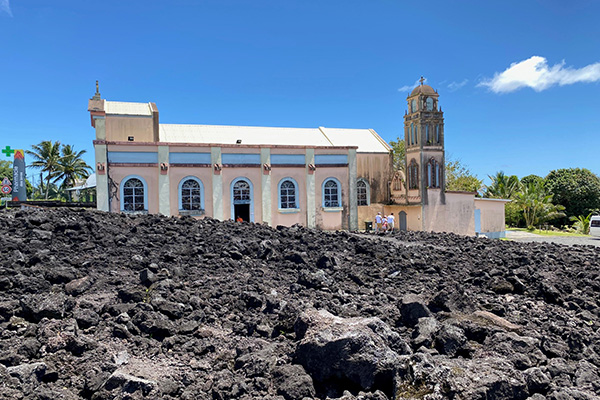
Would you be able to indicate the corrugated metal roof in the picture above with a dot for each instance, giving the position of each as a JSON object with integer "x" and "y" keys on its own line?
{"x": 254, "y": 135}
{"x": 365, "y": 139}
{"x": 126, "y": 108}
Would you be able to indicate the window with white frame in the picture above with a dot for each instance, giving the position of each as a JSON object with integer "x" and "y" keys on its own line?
{"x": 331, "y": 193}
{"x": 133, "y": 195}
{"x": 287, "y": 194}
{"x": 191, "y": 195}
{"x": 362, "y": 192}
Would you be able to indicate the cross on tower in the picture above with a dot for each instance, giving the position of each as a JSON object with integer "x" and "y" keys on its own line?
{"x": 422, "y": 80}
{"x": 8, "y": 151}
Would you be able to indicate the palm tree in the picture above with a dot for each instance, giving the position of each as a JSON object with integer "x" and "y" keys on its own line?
{"x": 71, "y": 166}
{"x": 581, "y": 223}
{"x": 46, "y": 156}
{"x": 503, "y": 186}
{"x": 537, "y": 205}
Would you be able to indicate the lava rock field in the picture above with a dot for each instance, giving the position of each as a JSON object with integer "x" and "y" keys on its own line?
{"x": 112, "y": 306}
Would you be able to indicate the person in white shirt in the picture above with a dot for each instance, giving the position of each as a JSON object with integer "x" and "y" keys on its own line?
{"x": 378, "y": 222}
{"x": 390, "y": 221}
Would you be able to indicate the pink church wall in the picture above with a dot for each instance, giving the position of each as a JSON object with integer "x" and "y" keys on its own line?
{"x": 150, "y": 175}
{"x": 253, "y": 175}
{"x": 176, "y": 174}
{"x": 413, "y": 216}
{"x": 281, "y": 217}
{"x": 331, "y": 219}
{"x": 457, "y": 215}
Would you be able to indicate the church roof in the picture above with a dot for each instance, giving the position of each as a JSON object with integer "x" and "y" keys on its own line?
{"x": 367, "y": 140}
{"x": 127, "y": 108}
{"x": 422, "y": 89}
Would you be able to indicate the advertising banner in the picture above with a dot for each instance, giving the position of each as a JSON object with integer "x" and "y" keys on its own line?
{"x": 19, "y": 190}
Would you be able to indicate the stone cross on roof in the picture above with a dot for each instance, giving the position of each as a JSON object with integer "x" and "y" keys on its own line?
{"x": 97, "y": 95}
{"x": 420, "y": 80}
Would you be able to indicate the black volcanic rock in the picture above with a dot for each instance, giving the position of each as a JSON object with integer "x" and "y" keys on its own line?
{"x": 112, "y": 306}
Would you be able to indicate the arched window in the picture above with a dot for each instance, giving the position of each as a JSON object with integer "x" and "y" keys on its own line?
{"x": 430, "y": 178}
{"x": 191, "y": 194}
{"x": 288, "y": 194}
{"x": 362, "y": 192}
{"x": 437, "y": 134}
{"x": 413, "y": 175}
{"x": 429, "y": 104}
{"x": 241, "y": 192}
{"x": 134, "y": 194}
{"x": 331, "y": 193}
{"x": 412, "y": 134}
{"x": 397, "y": 181}
{"x": 433, "y": 173}
{"x": 427, "y": 138}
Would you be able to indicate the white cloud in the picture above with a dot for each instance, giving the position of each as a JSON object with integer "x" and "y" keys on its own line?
{"x": 454, "y": 86}
{"x": 5, "y": 6}
{"x": 536, "y": 74}
{"x": 408, "y": 88}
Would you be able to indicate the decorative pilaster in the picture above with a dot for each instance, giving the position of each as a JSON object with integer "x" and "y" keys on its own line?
{"x": 353, "y": 200}
{"x": 217, "y": 183}
{"x": 265, "y": 160}
{"x": 102, "y": 203}
{"x": 164, "y": 192}
{"x": 311, "y": 206}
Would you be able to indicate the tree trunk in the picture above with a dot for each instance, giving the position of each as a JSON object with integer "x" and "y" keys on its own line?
{"x": 47, "y": 187}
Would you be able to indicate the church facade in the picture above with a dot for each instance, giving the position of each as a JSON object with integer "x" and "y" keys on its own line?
{"x": 324, "y": 178}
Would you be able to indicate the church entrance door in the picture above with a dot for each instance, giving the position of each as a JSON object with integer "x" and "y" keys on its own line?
{"x": 241, "y": 200}
{"x": 242, "y": 211}
{"x": 402, "y": 218}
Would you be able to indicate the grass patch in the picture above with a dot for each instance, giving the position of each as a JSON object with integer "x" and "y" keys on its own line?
{"x": 547, "y": 233}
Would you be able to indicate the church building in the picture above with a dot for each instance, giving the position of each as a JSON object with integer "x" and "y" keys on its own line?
{"x": 325, "y": 178}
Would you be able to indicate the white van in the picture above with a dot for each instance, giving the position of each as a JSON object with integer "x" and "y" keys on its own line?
{"x": 595, "y": 225}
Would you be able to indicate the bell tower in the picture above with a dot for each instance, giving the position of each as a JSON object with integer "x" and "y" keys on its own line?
{"x": 424, "y": 141}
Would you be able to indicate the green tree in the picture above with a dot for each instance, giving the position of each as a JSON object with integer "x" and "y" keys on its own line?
{"x": 577, "y": 189}
{"x": 71, "y": 167}
{"x": 503, "y": 186}
{"x": 531, "y": 178}
{"x": 458, "y": 177}
{"x": 513, "y": 215}
{"x": 398, "y": 155}
{"x": 6, "y": 171}
{"x": 46, "y": 156}
{"x": 536, "y": 203}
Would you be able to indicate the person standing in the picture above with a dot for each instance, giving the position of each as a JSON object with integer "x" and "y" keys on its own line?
{"x": 390, "y": 221}
{"x": 378, "y": 221}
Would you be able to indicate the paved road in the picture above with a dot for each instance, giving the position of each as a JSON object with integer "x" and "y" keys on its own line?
{"x": 519, "y": 236}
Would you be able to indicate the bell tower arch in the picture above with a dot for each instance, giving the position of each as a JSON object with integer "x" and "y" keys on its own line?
{"x": 424, "y": 141}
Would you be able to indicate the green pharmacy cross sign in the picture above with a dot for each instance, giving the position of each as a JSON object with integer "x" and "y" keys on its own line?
{"x": 8, "y": 151}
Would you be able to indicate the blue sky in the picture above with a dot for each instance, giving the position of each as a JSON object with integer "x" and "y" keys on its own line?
{"x": 519, "y": 81}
